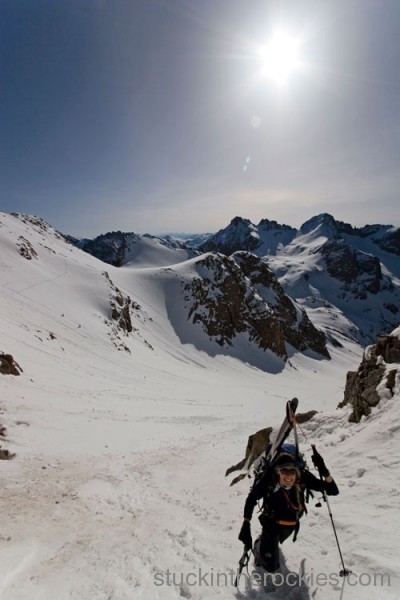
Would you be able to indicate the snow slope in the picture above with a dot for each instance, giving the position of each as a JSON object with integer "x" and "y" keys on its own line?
{"x": 119, "y": 480}
{"x": 151, "y": 251}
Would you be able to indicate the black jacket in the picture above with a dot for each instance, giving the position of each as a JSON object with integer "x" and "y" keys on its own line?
{"x": 283, "y": 504}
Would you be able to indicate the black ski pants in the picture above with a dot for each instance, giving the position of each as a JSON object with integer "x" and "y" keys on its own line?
{"x": 272, "y": 535}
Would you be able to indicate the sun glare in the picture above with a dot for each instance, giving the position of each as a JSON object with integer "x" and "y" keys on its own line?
{"x": 280, "y": 57}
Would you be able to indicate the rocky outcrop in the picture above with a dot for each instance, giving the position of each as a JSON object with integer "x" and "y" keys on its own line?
{"x": 38, "y": 224}
{"x": 256, "y": 445}
{"x": 240, "y": 294}
{"x": 25, "y": 248}
{"x": 6, "y": 454}
{"x": 120, "y": 312}
{"x": 361, "y": 391}
{"x": 360, "y": 272}
{"x": 391, "y": 241}
{"x": 111, "y": 247}
{"x": 8, "y": 365}
{"x": 122, "y": 308}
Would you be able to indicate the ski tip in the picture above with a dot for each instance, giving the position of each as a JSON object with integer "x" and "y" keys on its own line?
{"x": 291, "y": 407}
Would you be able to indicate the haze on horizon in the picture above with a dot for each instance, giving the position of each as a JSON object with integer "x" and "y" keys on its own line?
{"x": 157, "y": 116}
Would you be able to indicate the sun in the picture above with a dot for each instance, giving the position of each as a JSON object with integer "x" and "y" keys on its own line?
{"x": 280, "y": 57}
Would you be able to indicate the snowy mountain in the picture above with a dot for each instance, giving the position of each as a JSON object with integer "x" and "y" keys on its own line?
{"x": 191, "y": 240}
{"x": 232, "y": 307}
{"x": 124, "y": 418}
{"x": 353, "y": 275}
{"x": 350, "y": 274}
{"x": 118, "y": 248}
{"x": 241, "y": 234}
{"x": 270, "y": 237}
{"x": 239, "y": 298}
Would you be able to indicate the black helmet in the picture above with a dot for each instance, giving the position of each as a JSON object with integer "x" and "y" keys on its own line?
{"x": 285, "y": 461}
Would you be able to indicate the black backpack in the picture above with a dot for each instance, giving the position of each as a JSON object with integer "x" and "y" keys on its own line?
{"x": 266, "y": 469}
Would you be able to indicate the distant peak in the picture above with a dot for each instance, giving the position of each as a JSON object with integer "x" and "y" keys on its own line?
{"x": 267, "y": 225}
{"x": 324, "y": 223}
{"x": 240, "y": 220}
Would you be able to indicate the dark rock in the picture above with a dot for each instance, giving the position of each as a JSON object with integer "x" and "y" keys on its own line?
{"x": 6, "y": 454}
{"x": 240, "y": 294}
{"x": 8, "y": 365}
{"x": 388, "y": 346}
{"x": 390, "y": 242}
{"x": 26, "y": 249}
{"x": 360, "y": 272}
{"x": 256, "y": 445}
{"x": 305, "y": 417}
{"x": 361, "y": 385}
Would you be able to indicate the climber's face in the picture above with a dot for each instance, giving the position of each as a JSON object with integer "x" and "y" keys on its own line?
{"x": 287, "y": 476}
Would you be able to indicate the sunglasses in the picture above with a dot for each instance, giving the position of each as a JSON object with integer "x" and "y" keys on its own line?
{"x": 288, "y": 471}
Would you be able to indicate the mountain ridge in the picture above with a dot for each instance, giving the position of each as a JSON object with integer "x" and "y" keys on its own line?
{"x": 356, "y": 270}
{"x": 326, "y": 262}
{"x": 336, "y": 273}
{"x": 236, "y": 313}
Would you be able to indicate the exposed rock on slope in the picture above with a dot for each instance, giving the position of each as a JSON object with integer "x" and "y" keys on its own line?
{"x": 360, "y": 272}
{"x": 110, "y": 247}
{"x": 123, "y": 309}
{"x": 240, "y": 294}
{"x": 374, "y": 377}
{"x": 8, "y": 365}
{"x": 25, "y": 248}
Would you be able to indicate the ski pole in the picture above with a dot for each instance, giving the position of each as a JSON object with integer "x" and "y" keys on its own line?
{"x": 344, "y": 571}
{"x": 243, "y": 562}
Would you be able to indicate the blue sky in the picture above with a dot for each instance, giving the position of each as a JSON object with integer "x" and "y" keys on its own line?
{"x": 151, "y": 115}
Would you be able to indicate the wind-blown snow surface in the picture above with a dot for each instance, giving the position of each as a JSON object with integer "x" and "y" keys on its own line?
{"x": 118, "y": 482}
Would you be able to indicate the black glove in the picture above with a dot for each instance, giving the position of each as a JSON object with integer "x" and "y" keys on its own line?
{"x": 319, "y": 463}
{"x": 245, "y": 535}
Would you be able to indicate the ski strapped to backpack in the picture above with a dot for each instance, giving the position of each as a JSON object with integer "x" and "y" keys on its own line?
{"x": 286, "y": 427}
{"x": 272, "y": 450}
